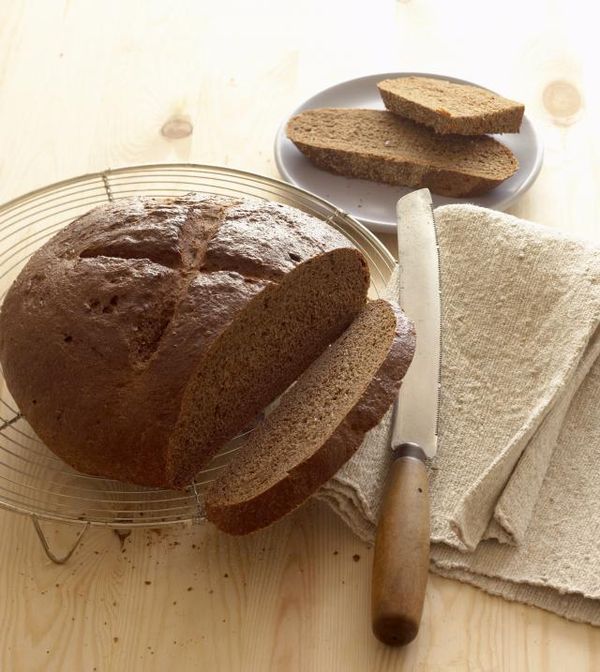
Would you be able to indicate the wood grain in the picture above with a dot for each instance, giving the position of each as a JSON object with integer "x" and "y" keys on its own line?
{"x": 90, "y": 85}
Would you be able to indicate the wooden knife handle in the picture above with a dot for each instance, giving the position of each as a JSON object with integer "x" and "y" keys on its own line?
{"x": 401, "y": 562}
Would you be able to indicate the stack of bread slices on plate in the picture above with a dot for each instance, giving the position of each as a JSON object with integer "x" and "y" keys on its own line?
{"x": 433, "y": 134}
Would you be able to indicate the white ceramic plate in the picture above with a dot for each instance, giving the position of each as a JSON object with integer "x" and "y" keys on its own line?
{"x": 372, "y": 203}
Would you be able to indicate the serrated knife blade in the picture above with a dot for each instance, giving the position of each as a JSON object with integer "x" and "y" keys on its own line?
{"x": 416, "y": 415}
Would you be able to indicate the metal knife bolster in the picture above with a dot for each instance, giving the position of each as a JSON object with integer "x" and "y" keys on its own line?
{"x": 409, "y": 450}
{"x": 416, "y": 412}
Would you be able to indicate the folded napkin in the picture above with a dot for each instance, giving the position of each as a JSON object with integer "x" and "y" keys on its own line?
{"x": 515, "y": 486}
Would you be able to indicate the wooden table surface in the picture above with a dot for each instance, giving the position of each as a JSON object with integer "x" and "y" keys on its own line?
{"x": 89, "y": 85}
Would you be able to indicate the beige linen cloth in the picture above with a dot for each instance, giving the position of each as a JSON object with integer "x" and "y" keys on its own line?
{"x": 515, "y": 486}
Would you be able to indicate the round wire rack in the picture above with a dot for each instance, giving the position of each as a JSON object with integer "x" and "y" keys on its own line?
{"x": 33, "y": 480}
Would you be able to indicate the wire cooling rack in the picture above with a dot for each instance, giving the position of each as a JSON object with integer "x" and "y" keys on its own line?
{"x": 33, "y": 480}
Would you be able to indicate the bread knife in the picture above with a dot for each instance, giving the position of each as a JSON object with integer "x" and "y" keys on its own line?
{"x": 401, "y": 560}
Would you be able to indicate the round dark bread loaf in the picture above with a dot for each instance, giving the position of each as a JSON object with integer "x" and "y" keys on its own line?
{"x": 148, "y": 333}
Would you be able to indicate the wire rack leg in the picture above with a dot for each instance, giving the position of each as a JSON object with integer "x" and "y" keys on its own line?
{"x": 58, "y": 560}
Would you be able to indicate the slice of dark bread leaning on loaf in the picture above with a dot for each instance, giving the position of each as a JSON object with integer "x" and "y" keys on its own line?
{"x": 318, "y": 425}
{"x": 149, "y": 332}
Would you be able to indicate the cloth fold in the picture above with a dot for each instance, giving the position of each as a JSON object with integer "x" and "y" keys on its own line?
{"x": 515, "y": 486}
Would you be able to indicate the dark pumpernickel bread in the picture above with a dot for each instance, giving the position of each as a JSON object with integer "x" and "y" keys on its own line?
{"x": 147, "y": 333}
{"x": 318, "y": 425}
{"x": 380, "y": 146}
{"x": 448, "y": 107}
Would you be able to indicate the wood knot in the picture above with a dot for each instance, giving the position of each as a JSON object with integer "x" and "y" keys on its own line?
{"x": 177, "y": 127}
{"x": 563, "y": 101}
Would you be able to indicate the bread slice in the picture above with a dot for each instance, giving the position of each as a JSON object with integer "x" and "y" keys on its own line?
{"x": 318, "y": 424}
{"x": 380, "y": 146}
{"x": 448, "y": 107}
